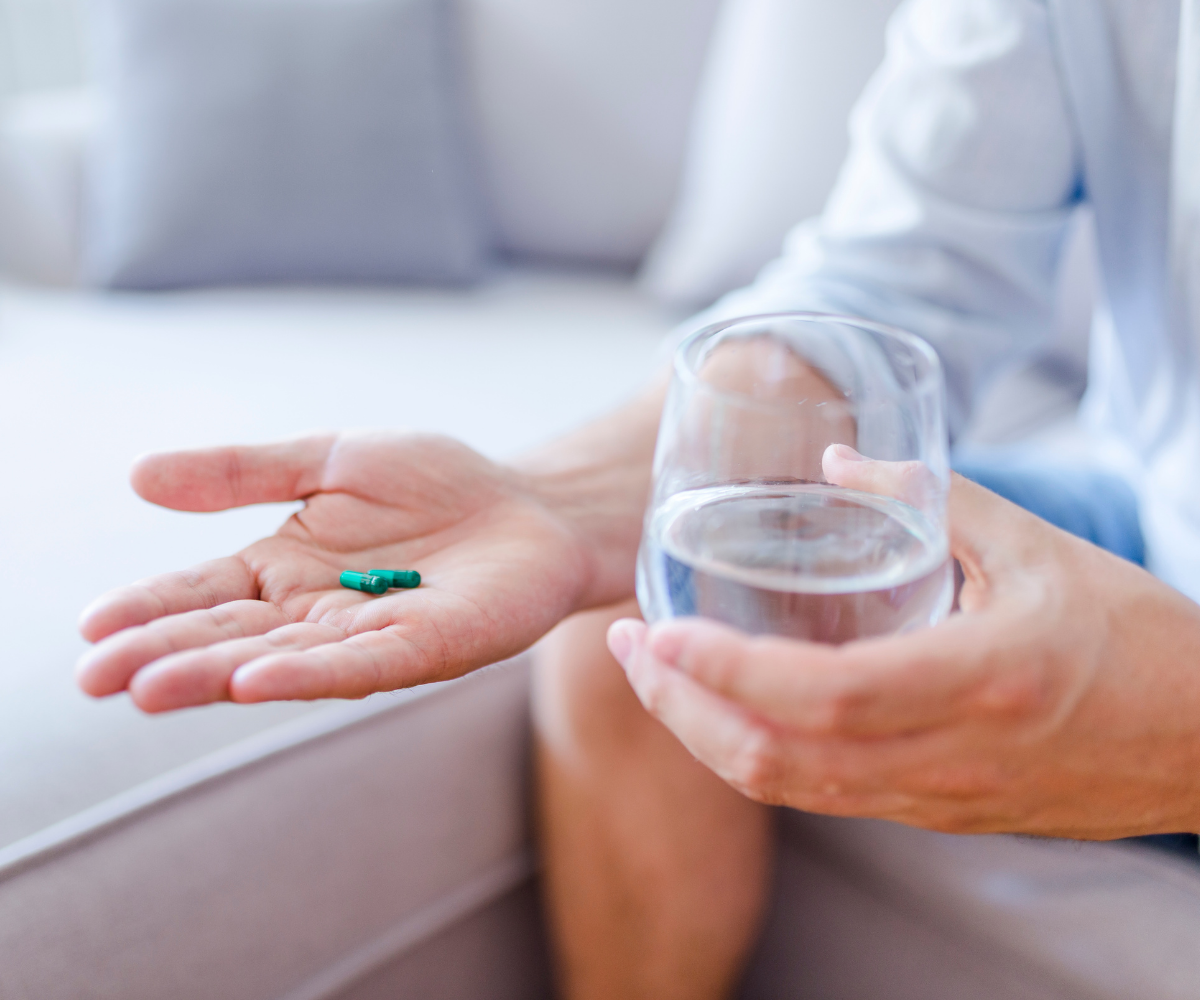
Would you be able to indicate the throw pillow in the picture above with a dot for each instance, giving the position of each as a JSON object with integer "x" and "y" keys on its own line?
{"x": 768, "y": 137}
{"x": 279, "y": 140}
{"x": 583, "y": 110}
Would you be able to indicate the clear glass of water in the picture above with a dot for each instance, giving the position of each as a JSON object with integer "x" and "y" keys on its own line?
{"x": 743, "y": 526}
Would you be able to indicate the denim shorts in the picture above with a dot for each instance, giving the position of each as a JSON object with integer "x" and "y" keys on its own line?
{"x": 1096, "y": 506}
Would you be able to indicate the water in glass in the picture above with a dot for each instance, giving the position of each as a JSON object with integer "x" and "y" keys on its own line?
{"x": 804, "y": 560}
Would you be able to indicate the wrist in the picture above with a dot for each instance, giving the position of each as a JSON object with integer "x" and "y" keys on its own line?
{"x": 595, "y": 483}
{"x": 602, "y": 510}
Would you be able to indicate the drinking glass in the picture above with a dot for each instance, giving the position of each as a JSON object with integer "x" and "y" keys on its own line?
{"x": 743, "y": 525}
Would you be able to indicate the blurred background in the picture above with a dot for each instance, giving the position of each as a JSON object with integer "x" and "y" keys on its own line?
{"x": 240, "y": 220}
{"x": 43, "y": 45}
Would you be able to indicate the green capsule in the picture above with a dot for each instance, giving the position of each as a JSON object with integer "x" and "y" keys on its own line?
{"x": 403, "y": 579}
{"x": 368, "y": 583}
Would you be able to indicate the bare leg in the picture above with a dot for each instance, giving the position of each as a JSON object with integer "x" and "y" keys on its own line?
{"x": 656, "y": 871}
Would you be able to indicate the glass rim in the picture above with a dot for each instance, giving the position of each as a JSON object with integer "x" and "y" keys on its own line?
{"x": 926, "y": 381}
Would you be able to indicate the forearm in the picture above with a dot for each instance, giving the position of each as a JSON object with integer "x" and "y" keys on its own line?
{"x": 597, "y": 481}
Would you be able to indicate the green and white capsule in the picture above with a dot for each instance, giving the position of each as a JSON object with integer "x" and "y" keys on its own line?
{"x": 401, "y": 579}
{"x": 368, "y": 583}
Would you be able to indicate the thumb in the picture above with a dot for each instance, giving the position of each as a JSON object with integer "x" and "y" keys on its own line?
{"x": 989, "y": 535}
{"x": 220, "y": 478}
{"x": 914, "y": 483}
{"x": 984, "y": 528}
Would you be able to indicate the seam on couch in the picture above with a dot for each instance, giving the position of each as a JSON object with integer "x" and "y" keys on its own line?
{"x": 90, "y": 823}
{"x": 497, "y": 881}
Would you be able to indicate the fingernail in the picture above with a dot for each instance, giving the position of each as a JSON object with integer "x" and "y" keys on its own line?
{"x": 620, "y": 641}
{"x": 846, "y": 453}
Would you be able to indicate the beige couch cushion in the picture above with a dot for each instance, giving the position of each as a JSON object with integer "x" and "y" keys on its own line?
{"x": 295, "y": 864}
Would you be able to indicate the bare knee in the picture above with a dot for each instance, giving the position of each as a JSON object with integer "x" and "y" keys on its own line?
{"x": 581, "y": 695}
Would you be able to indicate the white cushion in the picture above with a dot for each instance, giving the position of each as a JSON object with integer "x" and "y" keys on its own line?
{"x": 582, "y": 111}
{"x": 768, "y": 137}
{"x": 254, "y": 140}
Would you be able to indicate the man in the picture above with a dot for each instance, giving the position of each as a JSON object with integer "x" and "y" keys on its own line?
{"x": 1064, "y": 701}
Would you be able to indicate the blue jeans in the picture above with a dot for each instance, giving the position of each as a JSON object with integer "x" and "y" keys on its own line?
{"x": 1096, "y": 506}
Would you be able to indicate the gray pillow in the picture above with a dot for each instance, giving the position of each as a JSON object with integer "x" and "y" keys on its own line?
{"x": 280, "y": 140}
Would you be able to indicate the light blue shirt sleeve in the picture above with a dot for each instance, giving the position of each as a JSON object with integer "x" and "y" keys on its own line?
{"x": 950, "y": 213}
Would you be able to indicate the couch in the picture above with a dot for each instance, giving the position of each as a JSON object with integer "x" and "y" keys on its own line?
{"x": 383, "y": 848}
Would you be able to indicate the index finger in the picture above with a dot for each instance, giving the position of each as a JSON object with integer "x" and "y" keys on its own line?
{"x": 870, "y": 688}
{"x": 213, "y": 479}
{"x": 204, "y": 586}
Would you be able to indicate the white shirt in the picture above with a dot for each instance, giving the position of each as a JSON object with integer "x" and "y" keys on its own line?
{"x": 988, "y": 124}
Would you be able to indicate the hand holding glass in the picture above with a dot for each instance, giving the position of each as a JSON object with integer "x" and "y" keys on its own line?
{"x": 744, "y": 524}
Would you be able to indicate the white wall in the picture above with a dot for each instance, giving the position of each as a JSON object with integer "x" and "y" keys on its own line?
{"x": 41, "y": 44}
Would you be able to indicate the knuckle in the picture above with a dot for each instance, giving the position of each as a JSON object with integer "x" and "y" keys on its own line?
{"x": 723, "y": 667}
{"x": 234, "y": 470}
{"x": 653, "y": 695}
{"x": 837, "y": 712}
{"x": 1020, "y": 694}
{"x": 757, "y": 769}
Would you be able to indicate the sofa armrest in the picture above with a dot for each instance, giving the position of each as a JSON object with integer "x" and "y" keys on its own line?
{"x": 296, "y": 864}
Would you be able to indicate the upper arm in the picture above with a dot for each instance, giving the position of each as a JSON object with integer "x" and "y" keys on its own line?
{"x": 968, "y": 109}
{"x": 950, "y": 212}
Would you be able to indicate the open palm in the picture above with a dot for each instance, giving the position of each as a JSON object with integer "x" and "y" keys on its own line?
{"x": 499, "y": 567}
